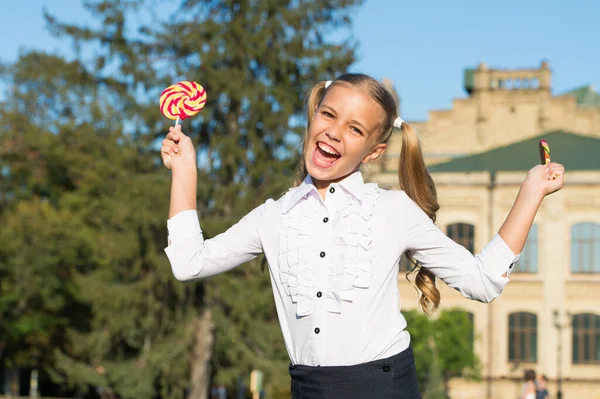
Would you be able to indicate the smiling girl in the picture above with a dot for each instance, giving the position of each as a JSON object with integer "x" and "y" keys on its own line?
{"x": 333, "y": 244}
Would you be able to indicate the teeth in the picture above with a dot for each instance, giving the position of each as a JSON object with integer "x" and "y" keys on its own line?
{"x": 328, "y": 149}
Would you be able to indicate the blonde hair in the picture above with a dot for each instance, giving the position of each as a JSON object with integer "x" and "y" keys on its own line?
{"x": 413, "y": 176}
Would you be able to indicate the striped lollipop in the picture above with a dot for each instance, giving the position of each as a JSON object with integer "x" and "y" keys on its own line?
{"x": 544, "y": 152}
{"x": 182, "y": 100}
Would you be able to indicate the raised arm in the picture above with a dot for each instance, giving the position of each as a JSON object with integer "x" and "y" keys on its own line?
{"x": 541, "y": 180}
{"x": 482, "y": 276}
{"x": 190, "y": 255}
{"x": 179, "y": 155}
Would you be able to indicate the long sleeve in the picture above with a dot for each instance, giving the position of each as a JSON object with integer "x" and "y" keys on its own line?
{"x": 192, "y": 257}
{"x": 479, "y": 277}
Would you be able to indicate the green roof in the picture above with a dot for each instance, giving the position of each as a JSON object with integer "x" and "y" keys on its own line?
{"x": 586, "y": 96}
{"x": 575, "y": 152}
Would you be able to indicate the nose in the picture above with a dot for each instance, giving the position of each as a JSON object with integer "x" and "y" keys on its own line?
{"x": 334, "y": 132}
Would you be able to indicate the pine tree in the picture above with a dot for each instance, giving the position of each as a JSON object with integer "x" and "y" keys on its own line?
{"x": 79, "y": 207}
{"x": 37, "y": 295}
{"x": 133, "y": 329}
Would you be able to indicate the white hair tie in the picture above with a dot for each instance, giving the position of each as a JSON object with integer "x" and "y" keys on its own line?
{"x": 398, "y": 123}
{"x": 328, "y": 83}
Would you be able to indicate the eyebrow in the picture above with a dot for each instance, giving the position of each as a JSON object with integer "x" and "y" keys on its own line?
{"x": 353, "y": 121}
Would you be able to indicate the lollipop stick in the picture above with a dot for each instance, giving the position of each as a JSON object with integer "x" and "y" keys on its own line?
{"x": 177, "y": 122}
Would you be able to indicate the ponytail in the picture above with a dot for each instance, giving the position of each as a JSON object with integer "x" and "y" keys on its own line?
{"x": 313, "y": 99}
{"x": 417, "y": 183}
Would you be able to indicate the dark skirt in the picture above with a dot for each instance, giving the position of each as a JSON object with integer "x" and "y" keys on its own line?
{"x": 391, "y": 378}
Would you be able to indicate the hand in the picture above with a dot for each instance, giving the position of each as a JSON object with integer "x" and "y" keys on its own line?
{"x": 177, "y": 149}
{"x": 545, "y": 179}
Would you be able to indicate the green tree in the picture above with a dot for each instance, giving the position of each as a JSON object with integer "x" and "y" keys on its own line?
{"x": 435, "y": 385}
{"x": 83, "y": 249}
{"x": 419, "y": 326}
{"x": 443, "y": 347}
{"x": 83, "y": 138}
{"x": 454, "y": 338}
{"x": 37, "y": 295}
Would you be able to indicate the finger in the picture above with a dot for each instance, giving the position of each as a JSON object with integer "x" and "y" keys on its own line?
{"x": 173, "y": 136}
{"x": 169, "y": 143}
{"x": 179, "y": 133}
{"x": 167, "y": 151}
{"x": 558, "y": 171}
{"x": 167, "y": 161}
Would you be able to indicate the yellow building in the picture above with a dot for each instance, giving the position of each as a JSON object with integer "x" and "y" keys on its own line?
{"x": 548, "y": 318}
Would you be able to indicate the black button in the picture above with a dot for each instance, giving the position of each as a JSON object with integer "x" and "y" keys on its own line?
{"x": 322, "y": 254}
{"x": 332, "y": 190}
{"x": 319, "y": 295}
{"x": 318, "y": 365}
{"x": 511, "y": 265}
{"x": 317, "y": 330}
{"x": 325, "y": 220}
{"x": 386, "y": 367}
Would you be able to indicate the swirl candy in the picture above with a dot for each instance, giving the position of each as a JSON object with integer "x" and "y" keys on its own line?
{"x": 544, "y": 152}
{"x": 182, "y": 100}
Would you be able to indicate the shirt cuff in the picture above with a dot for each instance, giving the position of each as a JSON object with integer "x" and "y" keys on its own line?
{"x": 506, "y": 259}
{"x": 183, "y": 225}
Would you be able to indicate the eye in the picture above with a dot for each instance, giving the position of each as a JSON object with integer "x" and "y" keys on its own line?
{"x": 327, "y": 114}
{"x": 356, "y": 130}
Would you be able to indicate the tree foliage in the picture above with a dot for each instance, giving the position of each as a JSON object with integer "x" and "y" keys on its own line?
{"x": 86, "y": 292}
{"x": 443, "y": 348}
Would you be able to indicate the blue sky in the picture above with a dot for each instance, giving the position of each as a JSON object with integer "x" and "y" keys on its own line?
{"x": 422, "y": 46}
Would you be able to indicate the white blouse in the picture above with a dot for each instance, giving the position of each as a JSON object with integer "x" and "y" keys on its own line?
{"x": 334, "y": 265}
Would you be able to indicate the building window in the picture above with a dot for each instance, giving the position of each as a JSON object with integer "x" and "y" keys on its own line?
{"x": 463, "y": 234}
{"x": 522, "y": 337}
{"x": 586, "y": 338}
{"x": 528, "y": 262}
{"x": 585, "y": 248}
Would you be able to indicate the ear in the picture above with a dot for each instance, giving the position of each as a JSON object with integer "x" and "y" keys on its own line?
{"x": 375, "y": 153}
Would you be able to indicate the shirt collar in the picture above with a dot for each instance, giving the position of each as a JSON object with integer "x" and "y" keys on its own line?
{"x": 353, "y": 184}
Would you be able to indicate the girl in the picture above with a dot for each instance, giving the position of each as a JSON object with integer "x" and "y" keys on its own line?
{"x": 333, "y": 244}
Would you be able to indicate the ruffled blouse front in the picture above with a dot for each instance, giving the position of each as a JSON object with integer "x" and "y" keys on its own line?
{"x": 352, "y": 265}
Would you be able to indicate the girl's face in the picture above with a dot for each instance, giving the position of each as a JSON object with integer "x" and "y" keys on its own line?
{"x": 344, "y": 133}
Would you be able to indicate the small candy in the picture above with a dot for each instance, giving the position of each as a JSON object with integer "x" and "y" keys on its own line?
{"x": 544, "y": 152}
{"x": 182, "y": 100}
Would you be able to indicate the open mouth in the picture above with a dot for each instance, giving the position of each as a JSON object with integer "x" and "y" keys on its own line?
{"x": 325, "y": 155}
